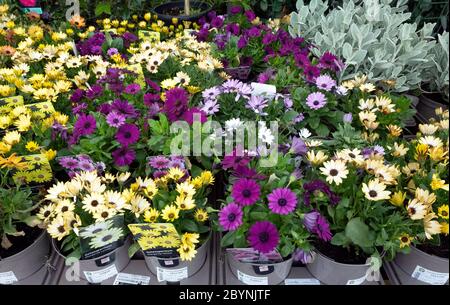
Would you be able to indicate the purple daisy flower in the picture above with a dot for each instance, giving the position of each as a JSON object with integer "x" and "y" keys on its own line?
{"x": 115, "y": 119}
{"x": 95, "y": 92}
{"x": 263, "y": 236}
{"x": 257, "y": 104}
{"x": 325, "y": 82}
{"x": 210, "y": 107}
{"x": 159, "y": 174}
{"x": 132, "y": 89}
{"x": 377, "y": 149}
{"x": 78, "y": 109}
{"x": 233, "y": 29}
{"x": 211, "y": 93}
{"x": 159, "y": 162}
{"x": 316, "y": 100}
{"x": 298, "y": 146}
{"x": 323, "y": 228}
{"x": 77, "y": 95}
{"x": 250, "y": 15}
{"x": 127, "y": 134}
{"x": 123, "y": 156}
{"x": 348, "y": 118}
{"x": 282, "y": 201}
{"x": 177, "y": 163}
{"x": 176, "y": 103}
{"x": 217, "y": 22}
{"x": 299, "y": 118}
{"x": 124, "y": 108}
{"x": 246, "y": 192}
{"x": 310, "y": 220}
{"x": 311, "y": 72}
{"x": 68, "y": 163}
{"x": 235, "y": 9}
{"x": 328, "y": 61}
{"x": 85, "y": 125}
{"x": 86, "y": 166}
{"x": 104, "y": 108}
{"x": 230, "y": 217}
{"x": 302, "y": 256}
{"x": 194, "y": 114}
{"x": 237, "y": 158}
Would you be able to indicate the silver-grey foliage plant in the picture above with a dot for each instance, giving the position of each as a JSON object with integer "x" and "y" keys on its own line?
{"x": 371, "y": 36}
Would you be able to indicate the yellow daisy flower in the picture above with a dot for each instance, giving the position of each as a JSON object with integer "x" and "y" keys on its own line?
{"x": 170, "y": 213}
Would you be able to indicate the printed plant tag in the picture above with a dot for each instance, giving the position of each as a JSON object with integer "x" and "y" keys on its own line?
{"x": 429, "y": 276}
{"x": 100, "y": 275}
{"x": 252, "y": 280}
{"x": 249, "y": 255}
{"x": 156, "y": 239}
{"x": 171, "y": 275}
{"x": 357, "y": 281}
{"x": 41, "y": 110}
{"x": 7, "y": 278}
{"x": 137, "y": 68}
{"x": 8, "y": 103}
{"x": 34, "y": 169}
{"x": 149, "y": 36}
{"x": 131, "y": 279}
{"x": 263, "y": 89}
{"x": 102, "y": 237}
{"x": 310, "y": 281}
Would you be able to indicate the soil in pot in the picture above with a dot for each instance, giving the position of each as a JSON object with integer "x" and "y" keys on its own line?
{"x": 340, "y": 254}
{"x": 20, "y": 243}
{"x": 441, "y": 250}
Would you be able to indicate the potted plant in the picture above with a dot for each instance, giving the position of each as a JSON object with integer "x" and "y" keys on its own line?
{"x": 24, "y": 246}
{"x": 173, "y": 231}
{"x": 423, "y": 193}
{"x": 86, "y": 217}
{"x": 263, "y": 221}
{"x": 435, "y": 92}
{"x": 182, "y": 10}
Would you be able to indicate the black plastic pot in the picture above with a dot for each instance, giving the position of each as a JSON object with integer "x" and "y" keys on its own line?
{"x": 427, "y": 106}
{"x": 161, "y": 10}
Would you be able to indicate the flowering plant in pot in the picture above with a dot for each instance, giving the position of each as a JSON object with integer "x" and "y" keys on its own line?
{"x": 422, "y": 193}
{"x": 263, "y": 211}
{"x": 364, "y": 224}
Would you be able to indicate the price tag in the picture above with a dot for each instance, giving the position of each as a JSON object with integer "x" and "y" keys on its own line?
{"x": 171, "y": 275}
{"x": 7, "y": 278}
{"x": 310, "y": 281}
{"x": 131, "y": 279}
{"x": 101, "y": 275}
{"x": 357, "y": 281}
{"x": 252, "y": 280}
{"x": 429, "y": 276}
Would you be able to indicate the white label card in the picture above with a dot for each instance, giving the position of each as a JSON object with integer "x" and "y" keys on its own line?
{"x": 263, "y": 89}
{"x": 7, "y": 278}
{"x": 357, "y": 281}
{"x": 310, "y": 281}
{"x": 252, "y": 280}
{"x": 171, "y": 275}
{"x": 131, "y": 279}
{"x": 429, "y": 276}
{"x": 101, "y": 275}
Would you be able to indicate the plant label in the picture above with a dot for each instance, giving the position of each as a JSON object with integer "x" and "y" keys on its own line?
{"x": 131, "y": 279}
{"x": 263, "y": 89}
{"x": 357, "y": 281}
{"x": 171, "y": 275}
{"x": 7, "y": 278}
{"x": 310, "y": 281}
{"x": 252, "y": 280}
{"x": 428, "y": 276}
{"x": 100, "y": 275}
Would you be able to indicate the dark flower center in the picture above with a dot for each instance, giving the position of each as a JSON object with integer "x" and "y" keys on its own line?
{"x": 315, "y": 103}
{"x": 127, "y": 134}
{"x": 405, "y": 239}
{"x": 246, "y": 193}
{"x": 47, "y": 213}
{"x": 64, "y": 209}
{"x": 412, "y": 211}
{"x": 282, "y": 202}
{"x": 231, "y": 217}
{"x": 96, "y": 231}
{"x": 351, "y": 155}
{"x": 94, "y": 203}
{"x": 334, "y": 172}
{"x": 263, "y": 237}
{"x": 171, "y": 215}
{"x": 106, "y": 238}
{"x": 87, "y": 125}
{"x": 105, "y": 214}
{"x": 444, "y": 213}
{"x": 61, "y": 229}
{"x": 373, "y": 193}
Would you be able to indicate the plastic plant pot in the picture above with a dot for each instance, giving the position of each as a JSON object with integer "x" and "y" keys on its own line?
{"x": 174, "y": 270}
{"x": 259, "y": 274}
{"x": 426, "y": 108}
{"x": 27, "y": 262}
{"x": 423, "y": 268}
{"x": 161, "y": 11}
{"x": 331, "y": 272}
{"x": 98, "y": 269}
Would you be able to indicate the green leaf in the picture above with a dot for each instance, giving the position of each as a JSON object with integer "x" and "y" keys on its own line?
{"x": 228, "y": 239}
{"x": 358, "y": 232}
{"x": 133, "y": 249}
{"x": 322, "y": 130}
{"x": 190, "y": 225}
{"x": 258, "y": 216}
{"x": 339, "y": 239}
{"x": 290, "y": 115}
{"x": 314, "y": 122}
{"x": 103, "y": 8}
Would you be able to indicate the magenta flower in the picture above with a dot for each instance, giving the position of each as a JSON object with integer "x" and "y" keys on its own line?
{"x": 124, "y": 108}
{"x": 250, "y": 15}
{"x": 310, "y": 220}
{"x": 316, "y": 100}
{"x": 123, "y": 156}
{"x": 311, "y": 72}
{"x": 159, "y": 162}
{"x": 115, "y": 119}
{"x": 230, "y": 217}
{"x": 329, "y": 61}
{"x": 176, "y": 103}
{"x": 194, "y": 114}
{"x": 246, "y": 191}
{"x": 85, "y": 125}
{"x": 282, "y": 201}
{"x": 235, "y": 10}
{"x": 323, "y": 229}
{"x": 263, "y": 236}
{"x": 86, "y": 166}
{"x": 127, "y": 134}
{"x": 325, "y": 82}
{"x": 132, "y": 89}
